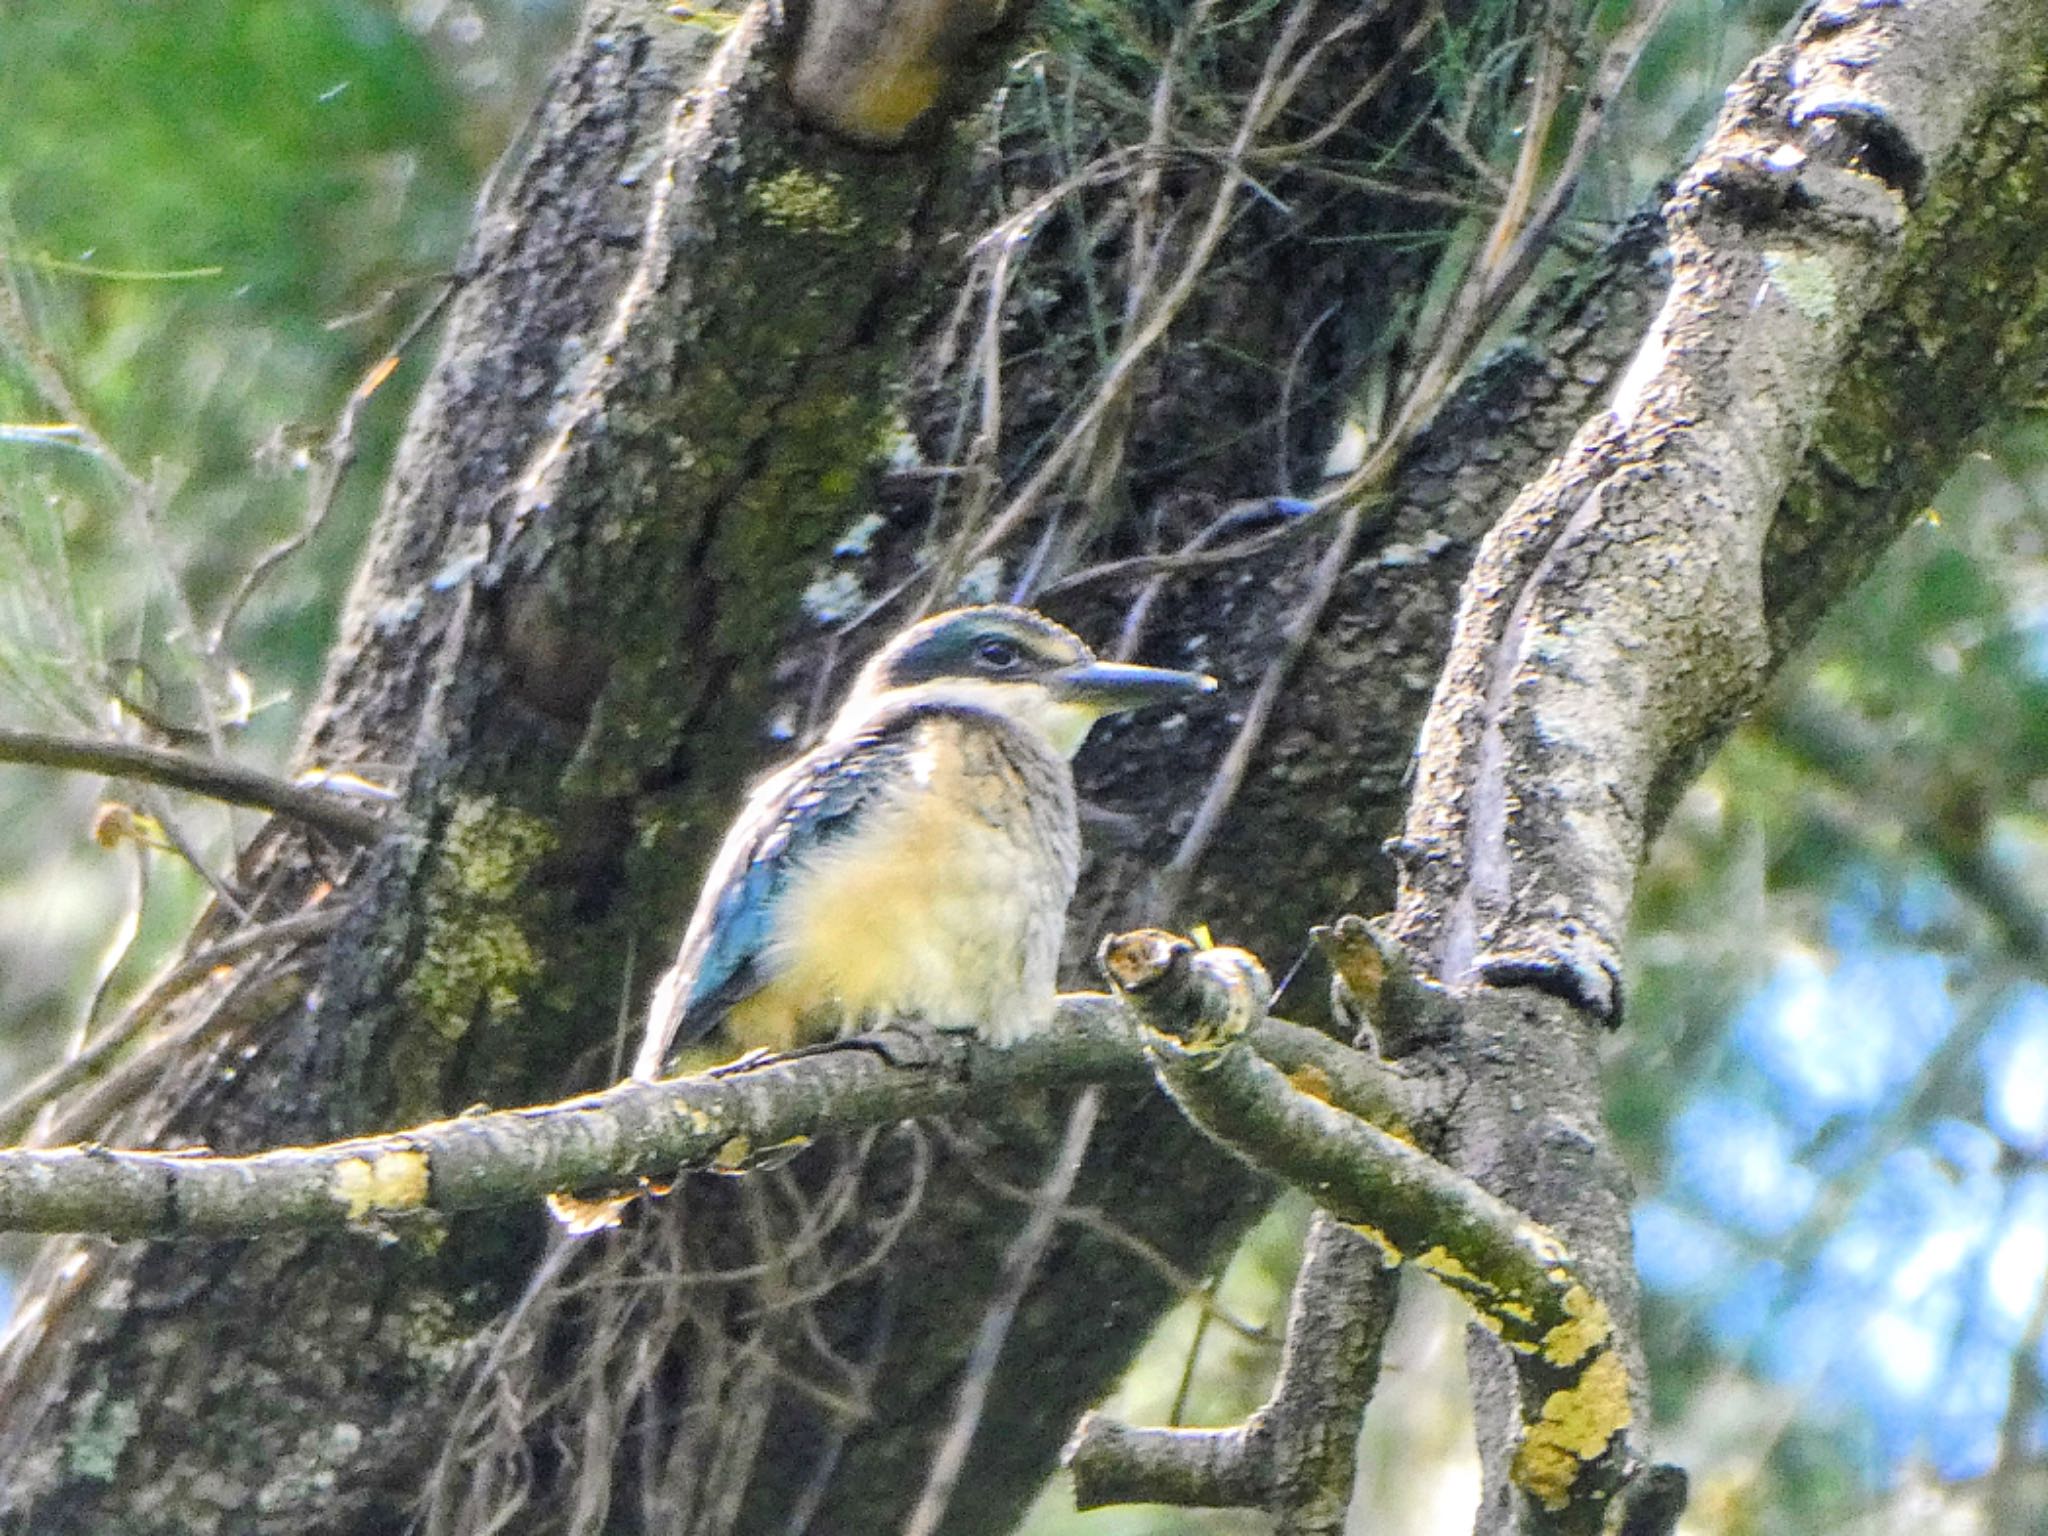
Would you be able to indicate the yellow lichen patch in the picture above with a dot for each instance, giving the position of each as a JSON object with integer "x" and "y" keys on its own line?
{"x": 1506, "y": 1318}
{"x": 1389, "y": 1254}
{"x": 732, "y": 1156}
{"x": 1356, "y": 960}
{"x": 699, "y": 1121}
{"x": 804, "y": 200}
{"x": 1545, "y": 1473}
{"x": 1397, "y": 1128}
{"x": 885, "y": 106}
{"x": 1448, "y": 1268}
{"x": 1313, "y": 1081}
{"x": 1586, "y": 1327}
{"x": 1496, "y": 1324}
{"x": 392, "y": 1181}
{"x": 1577, "y": 1423}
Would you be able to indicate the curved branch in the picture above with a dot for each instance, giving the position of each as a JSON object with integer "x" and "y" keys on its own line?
{"x": 1617, "y": 620}
{"x": 1199, "y": 1008}
{"x": 19, "y": 1111}
{"x": 1295, "y": 1457}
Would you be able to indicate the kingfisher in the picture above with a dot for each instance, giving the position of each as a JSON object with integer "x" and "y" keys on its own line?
{"x": 917, "y": 864}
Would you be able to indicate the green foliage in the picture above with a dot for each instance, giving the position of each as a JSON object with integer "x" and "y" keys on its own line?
{"x": 215, "y": 219}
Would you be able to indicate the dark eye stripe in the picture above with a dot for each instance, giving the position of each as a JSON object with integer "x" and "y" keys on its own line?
{"x": 974, "y": 645}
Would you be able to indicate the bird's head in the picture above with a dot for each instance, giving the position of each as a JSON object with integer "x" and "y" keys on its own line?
{"x": 1016, "y": 663}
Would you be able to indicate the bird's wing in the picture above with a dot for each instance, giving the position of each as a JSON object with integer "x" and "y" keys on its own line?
{"x": 810, "y": 803}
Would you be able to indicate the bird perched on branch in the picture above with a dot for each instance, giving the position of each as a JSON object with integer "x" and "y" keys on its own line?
{"x": 918, "y": 862}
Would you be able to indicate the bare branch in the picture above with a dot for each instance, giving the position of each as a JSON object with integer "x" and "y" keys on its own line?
{"x": 1020, "y": 1266}
{"x": 1546, "y": 762}
{"x": 336, "y": 456}
{"x": 1296, "y": 1457}
{"x": 227, "y": 782}
{"x": 1198, "y": 1007}
{"x": 603, "y": 1141}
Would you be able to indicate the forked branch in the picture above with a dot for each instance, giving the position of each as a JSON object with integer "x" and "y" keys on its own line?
{"x": 1199, "y": 1007}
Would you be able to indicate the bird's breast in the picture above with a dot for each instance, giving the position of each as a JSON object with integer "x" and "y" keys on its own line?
{"x": 947, "y": 901}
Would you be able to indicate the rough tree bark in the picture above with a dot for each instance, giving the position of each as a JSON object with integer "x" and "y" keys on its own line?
{"x": 684, "y": 321}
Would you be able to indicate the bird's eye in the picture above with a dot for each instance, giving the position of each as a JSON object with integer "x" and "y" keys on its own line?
{"x": 997, "y": 655}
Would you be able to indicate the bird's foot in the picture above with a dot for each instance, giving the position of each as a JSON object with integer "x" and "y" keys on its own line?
{"x": 897, "y": 1045}
{"x": 908, "y": 1046}
{"x": 753, "y": 1061}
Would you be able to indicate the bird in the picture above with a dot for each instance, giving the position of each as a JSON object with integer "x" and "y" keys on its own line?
{"x": 916, "y": 865}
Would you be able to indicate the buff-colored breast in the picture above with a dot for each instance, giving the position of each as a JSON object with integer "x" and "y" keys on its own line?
{"x": 946, "y": 903}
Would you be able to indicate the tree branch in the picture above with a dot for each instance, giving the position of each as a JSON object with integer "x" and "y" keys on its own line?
{"x": 1198, "y": 1007}
{"x": 1296, "y": 1457}
{"x": 1615, "y": 622}
{"x": 607, "y": 1140}
{"x": 1636, "y": 597}
{"x": 19, "y": 1111}
{"x": 227, "y": 782}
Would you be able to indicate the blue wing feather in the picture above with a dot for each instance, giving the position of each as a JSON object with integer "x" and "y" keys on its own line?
{"x": 817, "y": 799}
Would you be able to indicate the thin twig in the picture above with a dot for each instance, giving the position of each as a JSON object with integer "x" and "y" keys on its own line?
{"x": 143, "y": 497}
{"x": 330, "y": 467}
{"x": 1177, "y": 1414}
{"x": 1359, "y": 99}
{"x": 1020, "y": 1268}
{"x": 158, "y": 805}
{"x": 1090, "y": 1219}
{"x": 96, "y": 1054}
{"x": 1191, "y": 556}
{"x": 99, "y": 1051}
{"x": 1138, "y": 348}
{"x": 1223, "y": 786}
{"x": 1512, "y": 247}
{"x": 1546, "y": 95}
{"x": 1144, "y": 253}
{"x": 1131, "y": 633}
{"x": 1509, "y": 256}
{"x": 119, "y": 947}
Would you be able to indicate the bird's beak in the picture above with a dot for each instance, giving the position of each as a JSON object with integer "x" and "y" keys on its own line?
{"x": 1111, "y": 687}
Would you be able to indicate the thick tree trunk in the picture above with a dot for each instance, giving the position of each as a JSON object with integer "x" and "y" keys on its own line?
{"x": 684, "y": 323}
